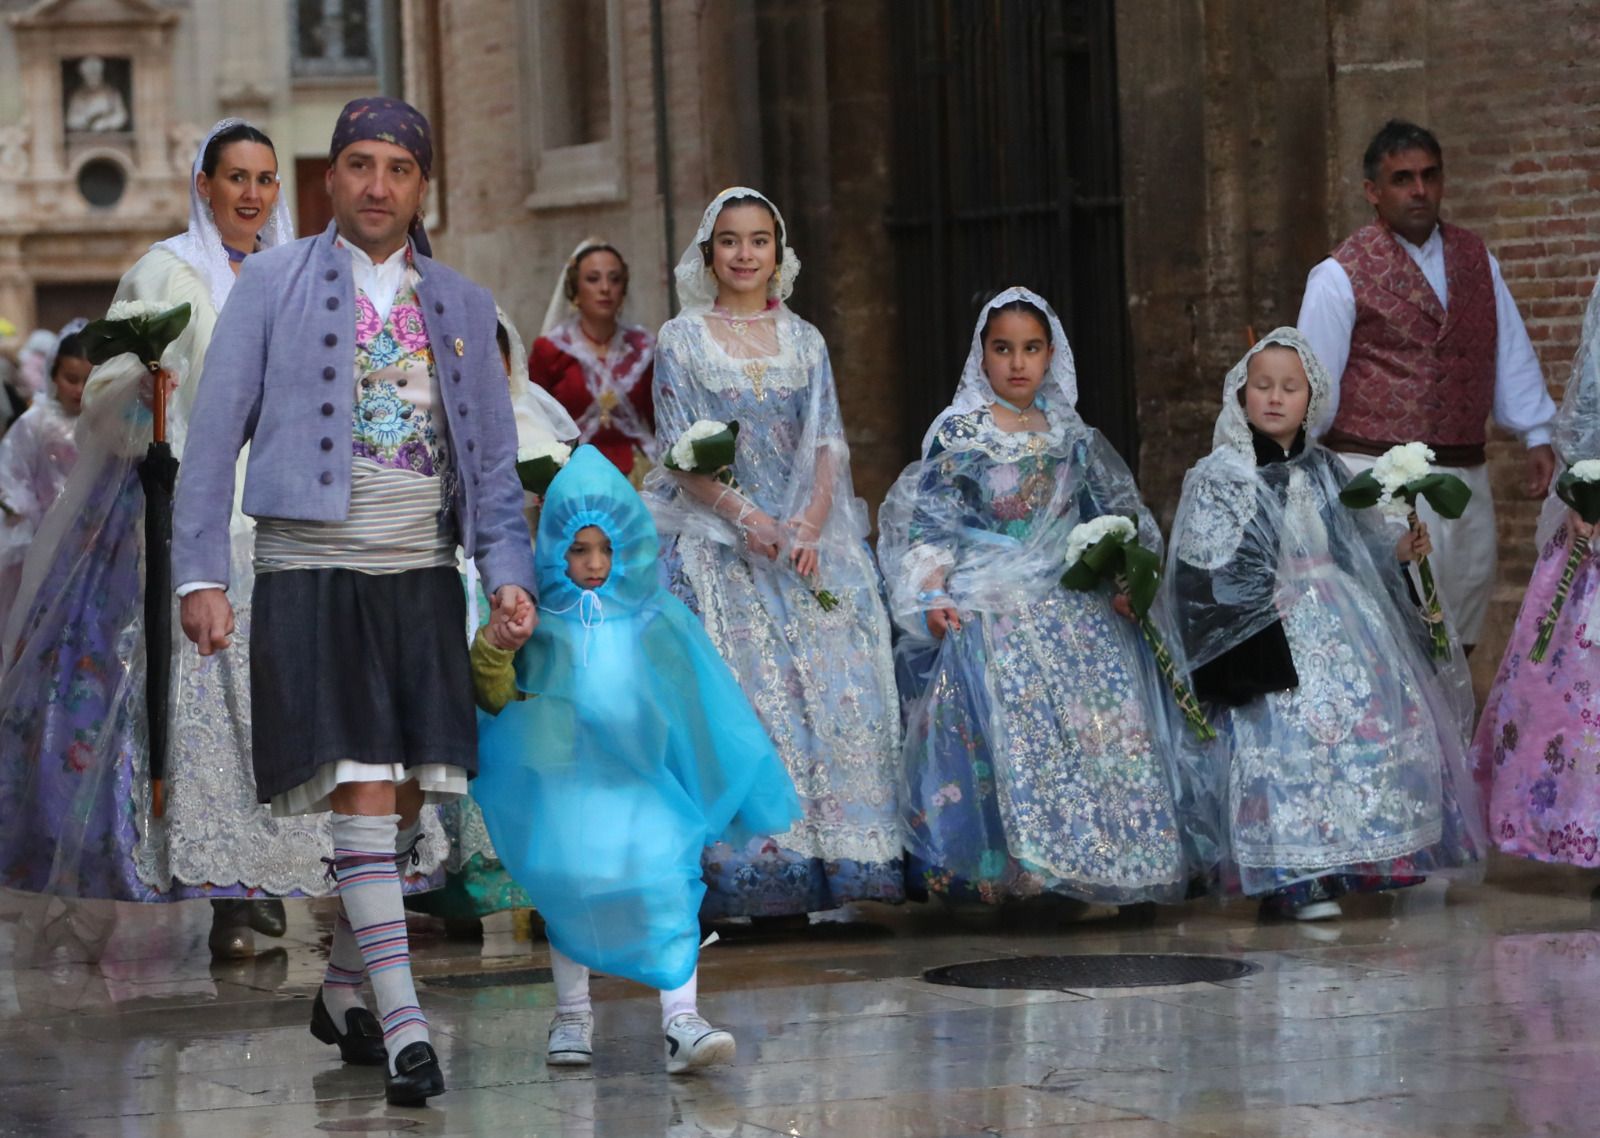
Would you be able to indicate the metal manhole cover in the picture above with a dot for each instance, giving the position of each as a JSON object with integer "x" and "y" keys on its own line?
{"x": 503, "y": 978}
{"x": 1109, "y": 970}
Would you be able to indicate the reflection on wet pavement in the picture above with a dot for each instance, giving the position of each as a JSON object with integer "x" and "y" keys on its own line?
{"x": 1467, "y": 1013}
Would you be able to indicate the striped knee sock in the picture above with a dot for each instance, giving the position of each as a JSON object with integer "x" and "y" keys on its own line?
{"x": 341, "y": 983}
{"x": 369, "y": 887}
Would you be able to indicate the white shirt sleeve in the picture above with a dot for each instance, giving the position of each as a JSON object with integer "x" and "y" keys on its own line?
{"x": 1327, "y": 319}
{"x": 188, "y": 587}
{"x": 1521, "y": 402}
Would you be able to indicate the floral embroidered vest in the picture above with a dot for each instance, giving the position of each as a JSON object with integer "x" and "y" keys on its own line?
{"x": 1416, "y": 370}
{"x": 398, "y": 411}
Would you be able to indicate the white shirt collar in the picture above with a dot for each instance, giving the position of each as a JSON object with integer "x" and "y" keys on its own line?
{"x": 380, "y": 281}
{"x": 363, "y": 261}
{"x": 1434, "y": 242}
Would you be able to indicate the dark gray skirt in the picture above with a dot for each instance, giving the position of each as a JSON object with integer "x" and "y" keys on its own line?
{"x": 360, "y": 666}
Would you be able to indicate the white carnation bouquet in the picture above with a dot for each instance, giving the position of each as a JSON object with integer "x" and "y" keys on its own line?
{"x": 1401, "y": 475}
{"x": 1107, "y": 549}
{"x": 537, "y": 466}
{"x": 708, "y": 448}
{"x": 1579, "y": 488}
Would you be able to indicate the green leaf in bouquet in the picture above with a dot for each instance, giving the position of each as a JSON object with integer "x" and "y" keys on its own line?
{"x": 1104, "y": 556}
{"x": 1143, "y": 571}
{"x": 1583, "y": 497}
{"x": 537, "y": 474}
{"x": 144, "y": 336}
{"x": 718, "y": 451}
{"x": 165, "y": 327}
{"x": 1361, "y": 492}
{"x": 1081, "y": 577}
{"x": 106, "y": 340}
{"x": 1446, "y": 493}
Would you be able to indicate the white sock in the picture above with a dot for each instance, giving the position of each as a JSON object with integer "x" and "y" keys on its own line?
{"x": 572, "y": 983}
{"x": 680, "y": 1000}
{"x": 369, "y": 887}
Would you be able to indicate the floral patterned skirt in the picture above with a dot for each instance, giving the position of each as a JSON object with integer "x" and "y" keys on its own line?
{"x": 1537, "y": 747}
{"x": 1353, "y": 771}
{"x": 1036, "y": 760}
{"x": 823, "y": 686}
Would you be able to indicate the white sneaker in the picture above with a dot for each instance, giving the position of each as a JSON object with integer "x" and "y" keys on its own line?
{"x": 1319, "y": 911}
{"x": 693, "y": 1043}
{"x": 571, "y": 1040}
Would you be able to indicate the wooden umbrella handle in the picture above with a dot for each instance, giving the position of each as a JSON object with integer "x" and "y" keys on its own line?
{"x": 158, "y": 404}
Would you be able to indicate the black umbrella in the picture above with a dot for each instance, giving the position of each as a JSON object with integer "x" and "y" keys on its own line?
{"x": 158, "y": 474}
{"x": 146, "y": 332}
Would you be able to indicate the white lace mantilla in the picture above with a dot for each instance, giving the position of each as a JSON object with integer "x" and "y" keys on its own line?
{"x": 976, "y": 430}
{"x": 1222, "y": 505}
{"x": 800, "y": 351}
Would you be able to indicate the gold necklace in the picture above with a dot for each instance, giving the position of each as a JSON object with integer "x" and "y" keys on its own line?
{"x": 757, "y": 370}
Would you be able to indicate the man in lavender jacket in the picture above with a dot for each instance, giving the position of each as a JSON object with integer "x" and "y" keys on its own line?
{"x": 366, "y": 379}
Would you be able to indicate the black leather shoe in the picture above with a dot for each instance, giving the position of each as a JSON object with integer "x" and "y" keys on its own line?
{"x": 361, "y": 1041}
{"x": 230, "y": 937}
{"x": 417, "y": 1076}
{"x": 266, "y": 917}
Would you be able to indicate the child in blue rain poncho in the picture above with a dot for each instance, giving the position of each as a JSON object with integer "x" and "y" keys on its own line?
{"x": 615, "y": 747}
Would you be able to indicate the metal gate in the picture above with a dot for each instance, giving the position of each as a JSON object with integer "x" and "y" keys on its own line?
{"x": 1005, "y": 171}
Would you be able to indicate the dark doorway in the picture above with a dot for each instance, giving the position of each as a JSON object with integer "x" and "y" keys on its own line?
{"x": 1005, "y": 171}
{"x": 55, "y": 304}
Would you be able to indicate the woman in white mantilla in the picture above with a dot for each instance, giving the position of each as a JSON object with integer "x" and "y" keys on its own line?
{"x": 1042, "y": 746}
{"x": 598, "y": 367}
{"x": 751, "y": 562}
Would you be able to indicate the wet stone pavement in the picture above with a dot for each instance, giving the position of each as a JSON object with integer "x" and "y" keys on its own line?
{"x": 1472, "y": 1012}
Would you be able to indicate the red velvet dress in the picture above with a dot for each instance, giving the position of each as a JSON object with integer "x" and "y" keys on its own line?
{"x": 609, "y": 400}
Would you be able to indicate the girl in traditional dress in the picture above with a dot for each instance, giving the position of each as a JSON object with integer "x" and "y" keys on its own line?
{"x": 1537, "y": 747}
{"x": 1041, "y": 741}
{"x": 617, "y": 746}
{"x": 751, "y": 558}
{"x": 36, "y": 456}
{"x": 74, "y": 768}
{"x": 1347, "y": 767}
{"x": 599, "y": 368}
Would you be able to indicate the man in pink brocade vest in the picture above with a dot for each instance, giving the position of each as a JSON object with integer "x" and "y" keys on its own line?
{"x": 1411, "y": 317}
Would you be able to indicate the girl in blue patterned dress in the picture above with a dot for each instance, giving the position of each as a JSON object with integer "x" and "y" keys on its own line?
{"x": 1042, "y": 748}
{"x": 747, "y": 559}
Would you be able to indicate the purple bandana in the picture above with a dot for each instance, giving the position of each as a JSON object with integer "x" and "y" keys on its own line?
{"x": 378, "y": 118}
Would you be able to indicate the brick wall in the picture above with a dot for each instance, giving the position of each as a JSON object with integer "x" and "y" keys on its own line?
{"x": 1275, "y": 103}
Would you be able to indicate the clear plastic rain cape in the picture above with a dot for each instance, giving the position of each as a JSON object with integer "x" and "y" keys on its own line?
{"x": 1359, "y": 767}
{"x": 1576, "y": 430}
{"x": 822, "y": 681}
{"x": 636, "y": 751}
{"x": 1043, "y": 750}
